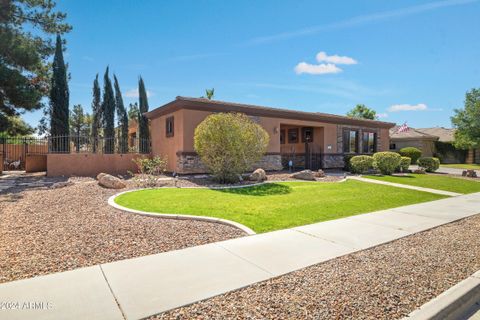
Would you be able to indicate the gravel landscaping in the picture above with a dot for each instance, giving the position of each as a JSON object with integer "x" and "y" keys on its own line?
{"x": 385, "y": 282}
{"x": 45, "y": 230}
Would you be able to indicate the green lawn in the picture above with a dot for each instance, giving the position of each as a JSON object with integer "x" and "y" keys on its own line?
{"x": 433, "y": 181}
{"x": 276, "y": 206}
{"x": 462, "y": 166}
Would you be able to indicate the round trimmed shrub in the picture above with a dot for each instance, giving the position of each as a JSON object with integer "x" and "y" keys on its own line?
{"x": 413, "y": 153}
{"x": 229, "y": 144}
{"x": 404, "y": 164}
{"x": 361, "y": 164}
{"x": 386, "y": 162}
{"x": 430, "y": 164}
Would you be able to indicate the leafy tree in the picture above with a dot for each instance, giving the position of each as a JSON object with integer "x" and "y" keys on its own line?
{"x": 96, "y": 114}
{"x": 17, "y": 127}
{"x": 26, "y": 45}
{"x": 210, "y": 93}
{"x": 133, "y": 111}
{"x": 79, "y": 125}
{"x": 143, "y": 131}
{"x": 122, "y": 117}
{"x": 467, "y": 122}
{"x": 363, "y": 112}
{"x": 229, "y": 144}
{"x": 108, "y": 114}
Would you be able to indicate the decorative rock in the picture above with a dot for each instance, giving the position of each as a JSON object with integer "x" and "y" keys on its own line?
{"x": 109, "y": 181}
{"x": 304, "y": 175}
{"x": 62, "y": 184}
{"x": 469, "y": 173}
{"x": 320, "y": 173}
{"x": 419, "y": 171}
{"x": 258, "y": 175}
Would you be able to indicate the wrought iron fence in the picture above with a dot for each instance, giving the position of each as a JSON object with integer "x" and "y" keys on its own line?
{"x": 82, "y": 144}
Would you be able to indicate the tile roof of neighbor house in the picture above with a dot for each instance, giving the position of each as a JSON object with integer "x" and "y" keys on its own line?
{"x": 443, "y": 134}
{"x": 216, "y": 106}
{"x": 410, "y": 134}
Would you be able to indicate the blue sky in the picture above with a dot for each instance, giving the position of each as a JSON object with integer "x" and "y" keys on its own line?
{"x": 409, "y": 60}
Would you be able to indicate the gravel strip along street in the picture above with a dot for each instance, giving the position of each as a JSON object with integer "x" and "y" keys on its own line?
{"x": 385, "y": 282}
{"x": 46, "y": 230}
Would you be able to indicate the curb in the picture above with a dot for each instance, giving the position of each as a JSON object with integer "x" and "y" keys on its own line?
{"x": 111, "y": 202}
{"x": 455, "y": 303}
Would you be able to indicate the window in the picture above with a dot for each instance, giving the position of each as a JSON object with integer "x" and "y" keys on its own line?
{"x": 307, "y": 134}
{"x": 282, "y": 136}
{"x": 350, "y": 141}
{"x": 169, "y": 127}
{"x": 369, "y": 142}
{"x": 293, "y": 135}
{"x": 393, "y": 146}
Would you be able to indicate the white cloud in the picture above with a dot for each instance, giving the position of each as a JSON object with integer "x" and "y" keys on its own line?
{"x": 336, "y": 59}
{"x": 133, "y": 93}
{"x": 382, "y": 115}
{"x": 322, "y": 68}
{"x": 408, "y": 107}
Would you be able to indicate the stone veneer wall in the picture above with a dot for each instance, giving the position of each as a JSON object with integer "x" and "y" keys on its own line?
{"x": 191, "y": 163}
{"x": 333, "y": 160}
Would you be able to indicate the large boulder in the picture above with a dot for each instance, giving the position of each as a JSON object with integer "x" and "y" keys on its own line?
{"x": 469, "y": 173}
{"x": 304, "y": 175}
{"x": 110, "y": 182}
{"x": 258, "y": 175}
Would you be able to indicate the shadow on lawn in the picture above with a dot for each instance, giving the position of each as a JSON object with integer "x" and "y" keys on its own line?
{"x": 268, "y": 189}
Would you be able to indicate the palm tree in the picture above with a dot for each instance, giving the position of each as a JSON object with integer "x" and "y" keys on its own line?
{"x": 210, "y": 93}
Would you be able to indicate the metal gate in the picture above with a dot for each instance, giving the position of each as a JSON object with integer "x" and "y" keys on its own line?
{"x": 15, "y": 150}
{"x": 313, "y": 160}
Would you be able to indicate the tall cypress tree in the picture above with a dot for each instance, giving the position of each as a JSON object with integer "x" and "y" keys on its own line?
{"x": 59, "y": 100}
{"x": 143, "y": 131}
{"x": 122, "y": 117}
{"x": 108, "y": 114}
{"x": 96, "y": 114}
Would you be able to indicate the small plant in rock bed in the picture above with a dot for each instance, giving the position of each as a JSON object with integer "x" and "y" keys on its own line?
{"x": 430, "y": 164}
{"x": 404, "y": 164}
{"x": 361, "y": 164}
{"x": 149, "y": 171}
{"x": 386, "y": 162}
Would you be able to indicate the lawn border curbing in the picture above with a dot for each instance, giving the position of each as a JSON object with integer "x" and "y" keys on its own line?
{"x": 111, "y": 202}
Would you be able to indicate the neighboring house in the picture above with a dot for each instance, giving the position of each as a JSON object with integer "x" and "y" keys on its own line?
{"x": 436, "y": 141}
{"x": 310, "y": 139}
{"x": 412, "y": 138}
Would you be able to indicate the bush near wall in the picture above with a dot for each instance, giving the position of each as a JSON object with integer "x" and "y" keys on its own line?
{"x": 413, "y": 153}
{"x": 346, "y": 162}
{"x": 361, "y": 164}
{"x": 404, "y": 164}
{"x": 386, "y": 162}
{"x": 446, "y": 150}
{"x": 430, "y": 164}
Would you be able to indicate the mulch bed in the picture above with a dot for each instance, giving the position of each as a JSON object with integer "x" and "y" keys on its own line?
{"x": 385, "y": 282}
{"x": 45, "y": 230}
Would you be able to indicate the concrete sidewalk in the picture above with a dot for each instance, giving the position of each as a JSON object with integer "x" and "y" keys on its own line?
{"x": 144, "y": 286}
{"x": 405, "y": 186}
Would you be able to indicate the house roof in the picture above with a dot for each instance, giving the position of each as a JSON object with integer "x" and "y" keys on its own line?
{"x": 410, "y": 134}
{"x": 443, "y": 134}
{"x": 216, "y": 106}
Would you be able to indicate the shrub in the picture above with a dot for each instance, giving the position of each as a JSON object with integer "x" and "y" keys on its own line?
{"x": 430, "y": 164}
{"x": 346, "y": 162}
{"x": 361, "y": 164}
{"x": 386, "y": 161}
{"x": 229, "y": 144}
{"x": 412, "y": 153}
{"x": 149, "y": 171}
{"x": 404, "y": 164}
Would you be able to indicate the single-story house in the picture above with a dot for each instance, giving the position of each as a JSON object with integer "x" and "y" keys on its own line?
{"x": 412, "y": 138}
{"x": 436, "y": 141}
{"x": 309, "y": 139}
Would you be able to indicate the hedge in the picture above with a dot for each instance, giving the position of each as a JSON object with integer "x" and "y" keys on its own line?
{"x": 413, "y": 153}
{"x": 430, "y": 164}
{"x": 387, "y": 162}
{"x": 404, "y": 164}
{"x": 361, "y": 164}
